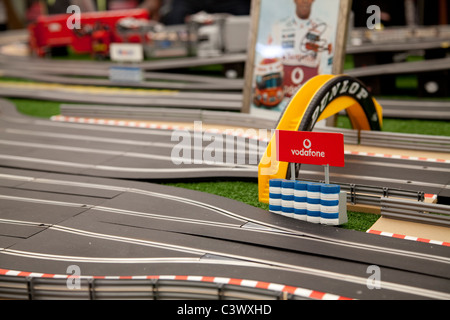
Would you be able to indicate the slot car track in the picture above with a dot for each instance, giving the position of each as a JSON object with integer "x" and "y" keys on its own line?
{"x": 51, "y": 220}
{"x": 146, "y": 154}
{"x": 188, "y": 91}
{"x": 176, "y": 99}
{"x": 178, "y": 90}
{"x": 123, "y": 228}
{"x": 107, "y": 151}
{"x": 66, "y": 199}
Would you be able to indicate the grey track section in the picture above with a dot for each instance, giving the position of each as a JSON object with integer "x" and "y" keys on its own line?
{"x": 395, "y": 68}
{"x": 401, "y": 68}
{"x": 119, "y": 152}
{"x": 116, "y": 227}
{"x": 212, "y": 85}
{"x": 396, "y": 46}
{"x": 436, "y": 110}
{"x": 42, "y": 69}
{"x": 146, "y": 65}
{"x": 134, "y": 153}
{"x": 233, "y": 119}
{"x": 67, "y": 71}
{"x": 142, "y": 101}
{"x": 191, "y": 98}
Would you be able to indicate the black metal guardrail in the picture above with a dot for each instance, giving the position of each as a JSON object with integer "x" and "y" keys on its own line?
{"x": 403, "y": 140}
{"x": 373, "y": 195}
{"x": 400, "y": 68}
{"x": 397, "y": 203}
{"x": 397, "y": 38}
{"x": 34, "y": 288}
{"x": 234, "y": 119}
{"x": 354, "y": 137}
{"x": 429, "y": 213}
{"x": 121, "y": 100}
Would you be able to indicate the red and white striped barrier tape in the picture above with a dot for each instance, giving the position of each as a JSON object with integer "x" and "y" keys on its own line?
{"x": 430, "y": 196}
{"x": 393, "y": 156}
{"x": 313, "y": 294}
{"x": 148, "y": 125}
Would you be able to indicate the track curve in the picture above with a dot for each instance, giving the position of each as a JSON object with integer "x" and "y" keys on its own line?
{"x": 114, "y": 152}
{"x": 148, "y": 154}
{"x": 116, "y": 228}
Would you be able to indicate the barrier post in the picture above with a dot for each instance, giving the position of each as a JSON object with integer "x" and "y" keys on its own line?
{"x": 275, "y": 195}
{"x": 327, "y": 173}
{"x": 292, "y": 170}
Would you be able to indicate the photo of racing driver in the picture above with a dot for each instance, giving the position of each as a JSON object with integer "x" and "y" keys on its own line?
{"x": 295, "y": 41}
{"x": 306, "y": 46}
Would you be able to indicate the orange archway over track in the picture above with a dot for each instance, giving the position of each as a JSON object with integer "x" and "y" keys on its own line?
{"x": 318, "y": 99}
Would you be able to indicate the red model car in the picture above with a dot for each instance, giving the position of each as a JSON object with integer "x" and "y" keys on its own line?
{"x": 269, "y": 83}
{"x": 97, "y": 30}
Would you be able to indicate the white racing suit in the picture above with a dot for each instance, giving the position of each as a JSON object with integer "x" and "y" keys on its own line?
{"x": 306, "y": 50}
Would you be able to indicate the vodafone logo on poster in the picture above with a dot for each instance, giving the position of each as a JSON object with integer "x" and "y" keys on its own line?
{"x": 310, "y": 147}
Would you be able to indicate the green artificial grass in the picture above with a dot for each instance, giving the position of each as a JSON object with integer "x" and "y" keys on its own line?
{"x": 247, "y": 192}
{"x": 360, "y": 221}
{"x": 431, "y": 127}
{"x": 37, "y": 108}
{"x": 413, "y": 126}
{"x": 408, "y": 82}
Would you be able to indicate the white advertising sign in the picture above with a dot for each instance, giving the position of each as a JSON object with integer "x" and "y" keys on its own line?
{"x": 126, "y": 52}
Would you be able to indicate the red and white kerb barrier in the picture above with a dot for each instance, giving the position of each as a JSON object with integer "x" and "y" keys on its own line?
{"x": 303, "y": 292}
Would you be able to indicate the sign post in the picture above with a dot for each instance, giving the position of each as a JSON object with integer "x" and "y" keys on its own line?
{"x": 327, "y": 173}
{"x": 126, "y": 53}
{"x": 316, "y": 148}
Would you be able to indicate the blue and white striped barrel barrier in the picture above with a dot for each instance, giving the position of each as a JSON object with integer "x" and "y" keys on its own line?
{"x": 287, "y": 198}
{"x": 329, "y": 204}
{"x": 275, "y": 195}
{"x": 300, "y": 195}
{"x": 313, "y": 202}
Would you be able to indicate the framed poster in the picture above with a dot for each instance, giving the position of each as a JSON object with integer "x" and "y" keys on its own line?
{"x": 291, "y": 41}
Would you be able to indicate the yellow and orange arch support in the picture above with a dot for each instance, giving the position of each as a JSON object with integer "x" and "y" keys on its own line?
{"x": 318, "y": 99}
